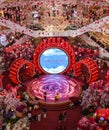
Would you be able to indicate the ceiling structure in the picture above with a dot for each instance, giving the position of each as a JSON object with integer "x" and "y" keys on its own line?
{"x": 54, "y": 26}
{"x": 95, "y": 26}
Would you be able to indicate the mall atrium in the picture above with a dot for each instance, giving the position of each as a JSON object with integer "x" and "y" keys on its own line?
{"x": 54, "y": 64}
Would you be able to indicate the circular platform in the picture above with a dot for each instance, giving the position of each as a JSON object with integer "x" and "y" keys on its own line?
{"x": 65, "y": 86}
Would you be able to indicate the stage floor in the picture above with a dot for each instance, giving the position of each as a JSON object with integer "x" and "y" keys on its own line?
{"x": 65, "y": 86}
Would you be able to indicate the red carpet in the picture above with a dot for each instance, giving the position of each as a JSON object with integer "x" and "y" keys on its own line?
{"x": 51, "y": 121}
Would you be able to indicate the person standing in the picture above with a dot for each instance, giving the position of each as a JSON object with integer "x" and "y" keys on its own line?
{"x": 64, "y": 115}
{"x": 57, "y": 97}
{"x": 45, "y": 96}
{"x": 39, "y": 117}
{"x": 60, "y": 117}
{"x": 54, "y": 9}
{"x": 44, "y": 112}
{"x": 29, "y": 115}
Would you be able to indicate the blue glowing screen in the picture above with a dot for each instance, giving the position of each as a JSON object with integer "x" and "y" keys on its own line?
{"x": 54, "y": 60}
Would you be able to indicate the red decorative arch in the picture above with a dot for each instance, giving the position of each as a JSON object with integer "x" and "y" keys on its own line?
{"x": 91, "y": 68}
{"x": 16, "y": 67}
{"x": 54, "y": 43}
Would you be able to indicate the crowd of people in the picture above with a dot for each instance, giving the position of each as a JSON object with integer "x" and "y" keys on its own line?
{"x": 91, "y": 13}
{"x": 96, "y": 37}
{"x": 37, "y": 12}
{"x": 10, "y": 38}
{"x": 69, "y": 11}
{"x": 13, "y": 37}
{"x": 97, "y": 12}
{"x": 15, "y": 14}
{"x": 19, "y": 14}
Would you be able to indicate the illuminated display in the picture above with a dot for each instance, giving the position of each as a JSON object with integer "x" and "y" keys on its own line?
{"x": 54, "y": 61}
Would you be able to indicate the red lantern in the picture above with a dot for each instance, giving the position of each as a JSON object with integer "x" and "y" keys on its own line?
{"x": 18, "y": 97}
{"x": 102, "y": 112}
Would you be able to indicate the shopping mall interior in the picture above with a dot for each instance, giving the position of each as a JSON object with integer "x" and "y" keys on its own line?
{"x": 54, "y": 64}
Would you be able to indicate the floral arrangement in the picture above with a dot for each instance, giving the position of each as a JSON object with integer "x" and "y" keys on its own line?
{"x": 90, "y": 98}
{"x": 84, "y": 122}
{"x": 87, "y": 123}
{"x": 9, "y": 99}
{"x": 99, "y": 120}
{"x": 95, "y": 96}
{"x": 21, "y": 124}
{"x": 17, "y": 51}
{"x": 81, "y": 49}
{"x": 104, "y": 98}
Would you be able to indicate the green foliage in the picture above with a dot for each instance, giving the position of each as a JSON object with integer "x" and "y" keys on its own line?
{"x": 71, "y": 27}
{"x": 10, "y": 120}
{"x": 88, "y": 112}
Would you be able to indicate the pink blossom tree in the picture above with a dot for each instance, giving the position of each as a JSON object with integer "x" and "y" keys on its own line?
{"x": 97, "y": 95}
{"x": 11, "y": 101}
{"x": 90, "y": 98}
{"x": 104, "y": 98}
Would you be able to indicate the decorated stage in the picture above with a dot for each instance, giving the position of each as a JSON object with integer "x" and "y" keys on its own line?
{"x": 65, "y": 86}
{"x": 52, "y": 85}
{"x": 53, "y": 60}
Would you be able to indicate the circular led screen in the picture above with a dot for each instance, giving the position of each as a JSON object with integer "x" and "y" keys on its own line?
{"x": 54, "y": 61}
